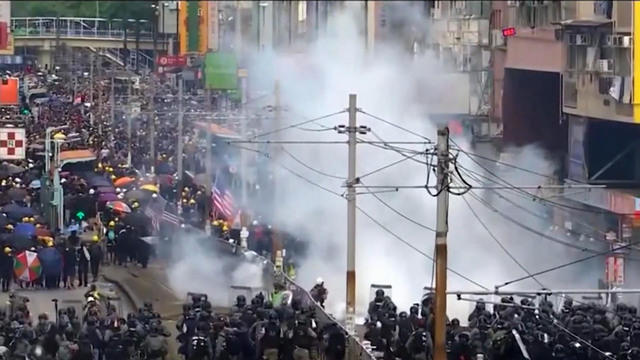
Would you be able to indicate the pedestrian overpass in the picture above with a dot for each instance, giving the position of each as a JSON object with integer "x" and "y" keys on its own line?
{"x": 126, "y": 42}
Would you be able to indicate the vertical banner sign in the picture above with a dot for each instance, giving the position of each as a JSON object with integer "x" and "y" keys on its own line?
{"x": 193, "y": 26}
{"x": 213, "y": 36}
{"x": 13, "y": 143}
{"x": 9, "y": 92}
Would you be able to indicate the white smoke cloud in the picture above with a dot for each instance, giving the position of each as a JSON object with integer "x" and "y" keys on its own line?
{"x": 402, "y": 89}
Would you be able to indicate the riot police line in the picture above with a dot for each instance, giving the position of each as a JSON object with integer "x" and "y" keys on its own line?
{"x": 293, "y": 326}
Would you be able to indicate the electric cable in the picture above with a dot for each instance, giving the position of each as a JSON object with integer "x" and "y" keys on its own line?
{"x": 398, "y": 212}
{"x": 533, "y": 195}
{"x": 395, "y": 125}
{"x": 500, "y": 244}
{"x": 574, "y": 262}
{"x": 397, "y": 237}
{"x": 387, "y": 166}
{"x": 529, "y": 228}
{"x": 310, "y": 167}
{"x": 296, "y": 124}
{"x": 469, "y": 153}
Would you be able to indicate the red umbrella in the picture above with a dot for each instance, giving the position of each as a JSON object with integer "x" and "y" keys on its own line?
{"x": 43, "y": 232}
{"x": 123, "y": 181}
{"x": 119, "y": 206}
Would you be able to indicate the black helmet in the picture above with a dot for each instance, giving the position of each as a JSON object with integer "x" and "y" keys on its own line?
{"x": 241, "y": 300}
{"x": 559, "y": 351}
{"x": 403, "y": 315}
{"x": 379, "y": 293}
{"x": 273, "y": 316}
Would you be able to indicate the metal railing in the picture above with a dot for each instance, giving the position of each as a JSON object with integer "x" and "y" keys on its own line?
{"x": 84, "y": 28}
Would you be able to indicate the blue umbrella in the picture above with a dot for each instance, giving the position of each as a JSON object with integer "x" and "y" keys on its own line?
{"x": 51, "y": 261}
{"x": 25, "y": 229}
{"x": 17, "y": 212}
{"x": 35, "y": 184}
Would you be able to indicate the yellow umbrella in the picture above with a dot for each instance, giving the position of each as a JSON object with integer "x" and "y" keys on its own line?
{"x": 149, "y": 187}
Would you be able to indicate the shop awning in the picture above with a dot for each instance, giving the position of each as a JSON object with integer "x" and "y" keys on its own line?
{"x": 74, "y": 156}
{"x": 217, "y": 130}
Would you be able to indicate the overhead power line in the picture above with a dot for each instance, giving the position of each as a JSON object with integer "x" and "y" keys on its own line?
{"x": 500, "y": 244}
{"x": 296, "y": 124}
{"x": 395, "y": 125}
{"x": 395, "y": 236}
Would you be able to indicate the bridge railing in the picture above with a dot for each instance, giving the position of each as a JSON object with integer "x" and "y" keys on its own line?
{"x": 79, "y": 28}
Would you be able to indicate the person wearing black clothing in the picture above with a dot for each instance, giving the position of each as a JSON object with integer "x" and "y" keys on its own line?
{"x": 83, "y": 265}
{"x": 95, "y": 254}
{"x": 6, "y": 269}
{"x": 73, "y": 239}
{"x": 69, "y": 268}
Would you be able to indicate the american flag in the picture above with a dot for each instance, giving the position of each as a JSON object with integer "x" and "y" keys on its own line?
{"x": 155, "y": 210}
{"x": 222, "y": 198}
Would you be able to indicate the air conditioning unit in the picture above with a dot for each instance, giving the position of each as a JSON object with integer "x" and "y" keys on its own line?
{"x": 605, "y": 65}
{"x": 583, "y": 39}
{"x": 626, "y": 41}
{"x": 436, "y": 13}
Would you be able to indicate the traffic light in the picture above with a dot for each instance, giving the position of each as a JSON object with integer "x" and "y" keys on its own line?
{"x": 80, "y": 215}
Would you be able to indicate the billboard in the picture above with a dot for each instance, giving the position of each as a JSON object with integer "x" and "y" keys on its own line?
{"x": 212, "y": 25}
{"x": 13, "y": 143}
{"x": 220, "y": 71}
{"x": 9, "y": 92}
{"x": 193, "y": 26}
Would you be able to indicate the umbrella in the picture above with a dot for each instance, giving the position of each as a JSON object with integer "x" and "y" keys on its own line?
{"x": 138, "y": 220}
{"x": 119, "y": 206}
{"x": 98, "y": 181}
{"x": 25, "y": 229}
{"x": 105, "y": 197}
{"x": 51, "y": 261}
{"x": 106, "y": 189}
{"x": 137, "y": 195}
{"x": 11, "y": 169}
{"x": 124, "y": 181}
{"x": 26, "y": 266}
{"x": 4, "y": 221}
{"x": 151, "y": 240}
{"x": 35, "y": 184}
{"x": 149, "y": 187}
{"x": 43, "y": 232}
{"x": 17, "y": 194}
{"x": 21, "y": 241}
{"x": 17, "y": 212}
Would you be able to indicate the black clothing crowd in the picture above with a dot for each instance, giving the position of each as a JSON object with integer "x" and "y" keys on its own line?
{"x": 510, "y": 331}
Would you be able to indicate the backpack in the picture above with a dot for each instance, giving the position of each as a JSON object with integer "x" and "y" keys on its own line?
{"x": 199, "y": 346}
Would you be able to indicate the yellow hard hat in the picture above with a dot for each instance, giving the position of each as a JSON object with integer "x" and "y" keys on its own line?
{"x": 95, "y": 238}
{"x": 99, "y": 165}
{"x": 135, "y": 204}
{"x": 9, "y": 227}
{"x": 225, "y": 227}
{"x": 113, "y": 177}
{"x": 192, "y": 201}
{"x": 32, "y": 219}
{"x": 112, "y": 223}
{"x": 7, "y": 250}
{"x": 49, "y": 243}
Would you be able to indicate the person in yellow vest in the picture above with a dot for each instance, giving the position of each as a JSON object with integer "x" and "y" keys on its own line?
{"x": 291, "y": 271}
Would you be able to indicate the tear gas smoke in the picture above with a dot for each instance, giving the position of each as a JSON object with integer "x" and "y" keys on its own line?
{"x": 403, "y": 89}
{"x": 203, "y": 267}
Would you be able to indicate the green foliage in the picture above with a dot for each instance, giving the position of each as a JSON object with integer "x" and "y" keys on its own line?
{"x": 86, "y": 8}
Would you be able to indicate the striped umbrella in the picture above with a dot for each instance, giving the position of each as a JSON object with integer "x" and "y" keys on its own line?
{"x": 26, "y": 266}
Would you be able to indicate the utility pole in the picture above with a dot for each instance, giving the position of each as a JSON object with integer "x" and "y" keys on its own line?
{"x": 91, "y": 91}
{"x": 208, "y": 168}
{"x": 129, "y": 114}
{"x": 276, "y": 244}
{"x": 180, "y": 141}
{"x": 113, "y": 99}
{"x": 351, "y": 218}
{"x": 243, "y": 133}
{"x": 442, "y": 227}
{"x": 152, "y": 128}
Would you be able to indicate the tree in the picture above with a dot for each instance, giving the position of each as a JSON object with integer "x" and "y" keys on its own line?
{"x": 106, "y": 9}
